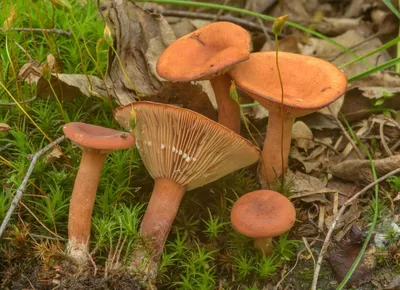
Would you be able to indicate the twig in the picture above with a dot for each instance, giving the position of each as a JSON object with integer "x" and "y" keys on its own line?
{"x": 208, "y": 16}
{"x": 47, "y": 237}
{"x": 55, "y": 31}
{"x": 22, "y": 102}
{"x": 5, "y": 147}
{"x": 383, "y": 141}
{"x": 21, "y": 188}
{"x": 332, "y": 227}
{"x": 346, "y": 134}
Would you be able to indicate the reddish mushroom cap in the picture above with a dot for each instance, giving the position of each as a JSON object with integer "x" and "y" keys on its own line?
{"x": 204, "y": 52}
{"x": 309, "y": 83}
{"x": 96, "y": 137}
{"x": 263, "y": 214}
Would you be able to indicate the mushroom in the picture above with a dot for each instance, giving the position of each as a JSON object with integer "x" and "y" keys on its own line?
{"x": 96, "y": 142}
{"x": 182, "y": 150}
{"x": 262, "y": 215}
{"x": 309, "y": 84}
{"x": 207, "y": 54}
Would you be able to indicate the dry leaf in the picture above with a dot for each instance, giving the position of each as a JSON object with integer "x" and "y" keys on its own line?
{"x": 31, "y": 72}
{"x": 69, "y": 86}
{"x": 335, "y": 26}
{"x": 258, "y": 6}
{"x": 4, "y": 127}
{"x": 360, "y": 170}
{"x": 54, "y": 154}
{"x": 305, "y": 183}
{"x": 345, "y": 189}
{"x": 302, "y": 136}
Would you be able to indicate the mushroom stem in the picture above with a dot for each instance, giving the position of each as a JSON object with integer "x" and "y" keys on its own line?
{"x": 228, "y": 109}
{"x": 271, "y": 165}
{"x": 265, "y": 245}
{"x": 82, "y": 202}
{"x": 160, "y": 213}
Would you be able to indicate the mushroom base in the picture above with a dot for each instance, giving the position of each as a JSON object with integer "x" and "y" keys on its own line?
{"x": 78, "y": 251}
{"x": 265, "y": 245}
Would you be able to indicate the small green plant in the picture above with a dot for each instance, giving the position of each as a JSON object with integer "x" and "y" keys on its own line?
{"x": 244, "y": 265}
{"x": 214, "y": 226}
{"x": 267, "y": 266}
{"x": 394, "y": 182}
{"x": 286, "y": 249}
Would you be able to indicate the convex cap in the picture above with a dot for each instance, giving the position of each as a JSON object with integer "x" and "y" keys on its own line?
{"x": 184, "y": 146}
{"x": 263, "y": 214}
{"x": 202, "y": 54}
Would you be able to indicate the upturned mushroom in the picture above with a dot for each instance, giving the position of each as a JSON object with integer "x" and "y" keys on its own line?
{"x": 182, "y": 150}
{"x": 309, "y": 84}
{"x": 262, "y": 215}
{"x": 207, "y": 54}
{"x": 96, "y": 142}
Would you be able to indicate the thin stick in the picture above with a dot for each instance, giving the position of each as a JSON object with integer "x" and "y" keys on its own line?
{"x": 332, "y": 227}
{"x": 208, "y": 16}
{"x": 55, "y": 31}
{"x": 346, "y": 134}
{"x": 15, "y": 104}
{"x": 21, "y": 188}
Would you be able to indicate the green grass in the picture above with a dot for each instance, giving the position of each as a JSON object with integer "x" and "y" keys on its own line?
{"x": 202, "y": 247}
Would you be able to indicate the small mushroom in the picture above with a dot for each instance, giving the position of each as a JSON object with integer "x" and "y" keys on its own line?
{"x": 309, "y": 84}
{"x": 182, "y": 150}
{"x": 96, "y": 142}
{"x": 262, "y": 215}
{"x": 207, "y": 54}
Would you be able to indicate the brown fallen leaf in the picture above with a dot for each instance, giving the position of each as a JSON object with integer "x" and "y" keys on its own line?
{"x": 54, "y": 154}
{"x": 334, "y": 26}
{"x": 360, "y": 170}
{"x": 69, "y": 86}
{"x": 302, "y": 136}
{"x": 341, "y": 256}
{"x": 4, "y": 127}
{"x": 345, "y": 189}
{"x": 31, "y": 72}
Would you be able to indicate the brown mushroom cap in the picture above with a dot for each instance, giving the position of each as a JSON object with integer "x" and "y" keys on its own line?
{"x": 263, "y": 214}
{"x": 97, "y": 137}
{"x": 309, "y": 83}
{"x": 204, "y": 52}
{"x": 185, "y": 146}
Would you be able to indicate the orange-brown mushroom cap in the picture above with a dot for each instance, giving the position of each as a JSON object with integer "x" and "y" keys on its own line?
{"x": 263, "y": 214}
{"x": 97, "y": 137}
{"x": 309, "y": 83}
{"x": 205, "y": 52}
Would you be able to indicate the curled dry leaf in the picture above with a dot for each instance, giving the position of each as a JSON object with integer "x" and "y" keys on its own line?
{"x": 302, "y": 136}
{"x": 360, "y": 170}
{"x": 4, "y": 127}
{"x": 54, "y": 154}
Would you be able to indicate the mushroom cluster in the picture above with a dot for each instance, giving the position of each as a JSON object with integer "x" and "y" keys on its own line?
{"x": 183, "y": 150}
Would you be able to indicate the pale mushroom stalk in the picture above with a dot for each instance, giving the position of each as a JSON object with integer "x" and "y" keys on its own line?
{"x": 160, "y": 213}
{"x": 82, "y": 202}
{"x": 228, "y": 109}
{"x": 265, "y": 245}
{"x": 271, "y": 163}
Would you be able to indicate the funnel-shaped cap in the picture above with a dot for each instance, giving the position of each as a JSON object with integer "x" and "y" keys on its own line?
{"x": 205, "y": 52}
{"x": 184, "y": 146}
{"x": 309, "y": 83}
